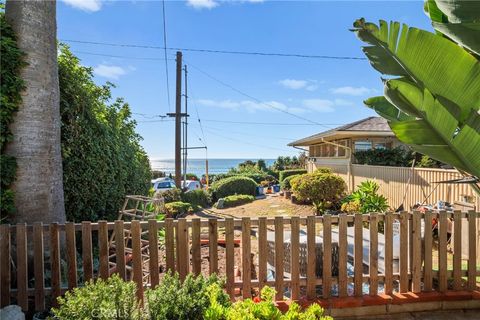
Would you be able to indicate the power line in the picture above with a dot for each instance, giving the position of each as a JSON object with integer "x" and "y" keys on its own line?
{"x": 272, "y": 123}
{"x": 165, "y": 52}
{"x": 255, "y": 99}
{"x": 247, "y": 134}
{"x": 277, "y": 54}
{"x": 121, "y": 57}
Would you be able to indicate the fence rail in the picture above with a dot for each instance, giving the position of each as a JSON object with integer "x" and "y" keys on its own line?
{"x": 64, "y": 256}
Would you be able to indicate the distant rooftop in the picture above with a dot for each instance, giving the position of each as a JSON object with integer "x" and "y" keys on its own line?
{"x": 376, "y": 125}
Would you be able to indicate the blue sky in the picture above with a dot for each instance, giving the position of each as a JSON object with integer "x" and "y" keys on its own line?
{"x": 325, "y": 91}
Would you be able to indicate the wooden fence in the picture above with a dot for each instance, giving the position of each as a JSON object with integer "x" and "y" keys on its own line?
{"x": 56, "y": 266}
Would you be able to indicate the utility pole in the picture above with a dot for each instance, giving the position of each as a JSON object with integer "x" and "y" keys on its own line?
{"x": 185, "y": 146}
{"x": 178, "y": 122}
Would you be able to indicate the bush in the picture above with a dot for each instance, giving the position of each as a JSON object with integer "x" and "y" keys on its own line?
{"x": 236, "y": 200}
{"x": 178, "y": 208}
{"x": 396, "y": 157}
{"x": 285, "y": 173}
{"x": 233, "y": 185}
{"x": 103, "y": 299}
{"x": 365, "y": 199}
{"x": 198, "y": 197}
{"x": 323, "y": 189}
{"x": 323, "y": 170}
{"x": 286, "y": 183}
{"x": 172, "y": 195}
{"x": 259, "y": 177}
{"x": 192, "y": 176}
{"x": 173, "y": 299}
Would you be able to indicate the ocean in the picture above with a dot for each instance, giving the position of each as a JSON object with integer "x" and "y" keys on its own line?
{"x": 197, "y": 166}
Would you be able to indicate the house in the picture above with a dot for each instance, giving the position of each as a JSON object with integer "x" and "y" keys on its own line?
{"x": 335, "y": 146}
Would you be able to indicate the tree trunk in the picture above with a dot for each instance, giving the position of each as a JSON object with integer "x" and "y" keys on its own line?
{"x": 36, "y": 129}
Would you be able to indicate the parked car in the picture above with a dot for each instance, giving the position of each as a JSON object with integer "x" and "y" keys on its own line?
{"x": 163, "y": 184}
{"x": 190, "y": 185}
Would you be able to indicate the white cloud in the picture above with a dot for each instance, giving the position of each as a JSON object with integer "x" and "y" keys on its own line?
{"x": 343, "y": 102}
{"x": 110, "y": 72}
{"x": 351, "y": 91}
{"x": 202, "y": 4}
{"x": 294, "y": 84}
{"x": 85, "y": 5}
{"x": 319, "y": 105}
{"x": 249, "y": 106}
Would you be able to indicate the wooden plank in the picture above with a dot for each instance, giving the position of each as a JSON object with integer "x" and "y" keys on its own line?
{"x": 279, "y": 256}
{"x": 472, "y": 250}
{"x": 388, "y": 259}
{"x": 38, "y": 266}
{"x": 229, "y": 256}
{"x": 404, "y": 252}
{"x": 295, "y": 257}
{"x": 183, "y": 258}
{"x": 153, "y": 250}
{"x": 428, "y": 263}
{"x": 262, "y": 251}
{"x": 410, "y": 249}
{"x": 103, "y": 249}
{"x": 457, "y": 250}
{"x": 87, "y": 250}
{"x": 71, "y": 248}
{"x": 373, "y": 288}
{"x": 342, "y": 256}
{"x": 137, "y": 257}
{"x": 120, "y": 249}
{"x": 169, "y": 245}
{"x": 55, "y": 262}
{"x": 311, "y": 258}
{"x": 213, "y": 245}
{"x": 358, "y": 255}
{"x": 196, "y": 254}
{"x": 442, "y": 251}
{"x": 327, "y": 256}
{"x": 246, "y": 258}
{"x": 5, "y": 276}
{"x": 417, "y": 252}
{"x": 22, "y": 269}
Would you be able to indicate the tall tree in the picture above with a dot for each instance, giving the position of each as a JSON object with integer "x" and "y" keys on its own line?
{"x": 36, "y": 129}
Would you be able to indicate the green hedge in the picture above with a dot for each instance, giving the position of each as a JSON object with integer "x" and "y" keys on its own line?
{"x": 237, "y": 200}
{"x": 198, "y": 197}
{"x": 286, "y": 183}
{"x": 174, "y": 209}
{"x": 233, "y": 185}
{"x": 286, "y": 173}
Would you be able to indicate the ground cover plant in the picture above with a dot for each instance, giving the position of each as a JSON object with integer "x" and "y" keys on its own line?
{"x": 236, "y": 200}
{"x": 179, "y": 208}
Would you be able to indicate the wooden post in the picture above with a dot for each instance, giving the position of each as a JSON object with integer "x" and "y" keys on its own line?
{"x": 71, "y": 255}
{"x": 87, "y": 250}
{"x": 472, "y": 250}
{"x": 388, "y": 259}
{"x": 196, "y": 253}
{"x": 327, "y": 256}
{"x": 55, "y": 262}
{"x": 295, "y": 256}
{"x": 342, "y": 255}
{"x": 153, "y": 246}
{"x": 427, "y": 266}
{"x": 213, "y": 245}
{"x": 373, "y": 290}
{"x": 169, "y": 245}
{"x": 22, "y": 261}
{"x": 103, "y": 249}
{"x": 358, "y": 255}
{"x": 417, "y": 252}
{"x": 279, "y": 256}
{"x": 183, "y": 249}
{"x": 246, "y": 258}
{"x": 442, "y": 251}
{"x": 5, "y": 277}
{"x": 457, "y": 250}
{"x": 120, "y": 249}
{"x": 38, "y": 266}
{"x": 137, "y": 257}
{"x": 262, "y": 251}
{"x": 311, "y": 258}
{"x": 404, "y": 252}
{"x": 229, "y": 256}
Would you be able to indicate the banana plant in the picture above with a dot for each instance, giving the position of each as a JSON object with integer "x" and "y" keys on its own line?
{"x": 432, "y": 93}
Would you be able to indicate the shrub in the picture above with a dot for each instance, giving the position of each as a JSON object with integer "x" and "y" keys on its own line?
{"x": 323, "y": 190}
{"x": 172, "y": 195}
{"x": 365, "y": 199}
{"x": 323, "y": 170}
{"x": 397, "y": 157}
{"x": 174, "y": 209}
{"x": 173, "y": 299}
{"x": 233, "y": 185}
{"x": 197, "y": 197}
{"x": 285, "y": 173}
{"x": 192, "y": 176}
{"x": 286, "y": 183}
{"x": 236, "y": 200}
{"x": 103, "y": 299}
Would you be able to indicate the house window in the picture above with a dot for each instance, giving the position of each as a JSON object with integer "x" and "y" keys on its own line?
{"x": 363, "y": 145}
{"x": 380, "y": 146}
{"x": 342, "y": 151}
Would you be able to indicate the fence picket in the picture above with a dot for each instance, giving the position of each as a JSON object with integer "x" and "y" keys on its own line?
{"x": 417, "y": 252}
{"x": 169, "y": 245}
{"x": 442, "y": 251}
{"x": 71, "y": 255}
{"x": 279, "y": 256}
{"x": 213, "y": 245}
{"x": 5, "y": 265}
{"x": 388, "y": 259}
{"x": 55, "y": 262}
{"x": 358, "y": 255}
{"x": 183, "y": 254}
{"x": 229, "y": 256}
{"x": 137, "y": 256}
{"x": 87, "y": 250}
{"x": 120, "y": 249}
{"x": 404, "y": 252}
{"x": 22, "y": 260}
{"x": 262, "y": 251}
{"x": 103, "y": 249}
{"x": 196, "y": 253}
{"x": 472, "y": 250}
{"x": 295, "y": 257}
{"x": 38, "y": 266}
{"x": 327, "y": 256}
{"x": 311, "y": 258}
{"x": 153, "y": 251}
{"x": 342, "y": 255}
{"x": 246, "y": 258}
{"x": 373, "y": 289}
{"x": 457, "y": 250}
{"x": 427, "y": 265}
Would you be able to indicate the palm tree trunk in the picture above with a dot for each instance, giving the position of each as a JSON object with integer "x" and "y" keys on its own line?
{"x": 36, "y": 129}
